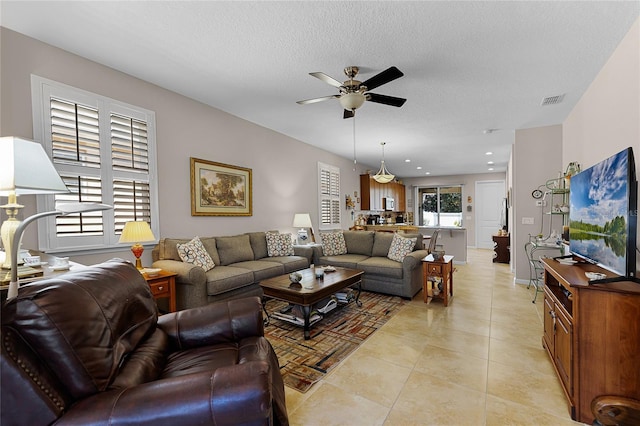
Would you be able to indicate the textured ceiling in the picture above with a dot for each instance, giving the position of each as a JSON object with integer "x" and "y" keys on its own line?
{"x": 469, "y": 66}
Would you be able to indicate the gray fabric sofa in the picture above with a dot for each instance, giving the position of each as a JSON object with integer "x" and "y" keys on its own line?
{"x": 241, "y": 262}
{"x": 367, "y": 250}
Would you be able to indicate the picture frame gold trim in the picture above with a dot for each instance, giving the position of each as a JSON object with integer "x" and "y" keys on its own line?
{"x": 219, "y": 189}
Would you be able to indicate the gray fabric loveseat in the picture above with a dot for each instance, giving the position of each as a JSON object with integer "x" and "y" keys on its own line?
{"x": 369, "y": 251}
{"x": 241, "y": 262}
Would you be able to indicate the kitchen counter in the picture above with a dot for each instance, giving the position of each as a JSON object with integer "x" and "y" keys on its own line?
{"x": 393, "y": 228}
{"x": 453, "y": 240}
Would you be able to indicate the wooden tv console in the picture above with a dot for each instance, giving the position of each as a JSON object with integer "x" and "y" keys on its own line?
{"x": 592, "y": 335}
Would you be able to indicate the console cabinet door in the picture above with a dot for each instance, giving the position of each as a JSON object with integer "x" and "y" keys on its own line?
{"x": 563, "y": 351}
{"x": 549, "y": 315}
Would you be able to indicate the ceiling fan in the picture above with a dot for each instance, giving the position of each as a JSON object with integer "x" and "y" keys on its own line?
{"x": 353, "y": 93}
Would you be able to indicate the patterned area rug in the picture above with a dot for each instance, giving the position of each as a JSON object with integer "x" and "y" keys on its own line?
{"x": 304, "y": 362}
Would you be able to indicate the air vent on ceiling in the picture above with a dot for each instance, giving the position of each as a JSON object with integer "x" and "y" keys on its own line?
{"x": 552, "y": 100}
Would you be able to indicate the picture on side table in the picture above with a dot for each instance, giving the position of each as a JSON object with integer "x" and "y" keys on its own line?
{"x": 220, "y": 189}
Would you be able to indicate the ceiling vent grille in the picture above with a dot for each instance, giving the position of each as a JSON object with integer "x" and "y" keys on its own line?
{"x": 552, "y": 100}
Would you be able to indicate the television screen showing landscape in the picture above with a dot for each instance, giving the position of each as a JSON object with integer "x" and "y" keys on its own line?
{"x": 599, "y": 213}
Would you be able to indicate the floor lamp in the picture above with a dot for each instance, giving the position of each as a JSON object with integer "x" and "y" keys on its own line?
{"x": 25, "y": 169}
{"x": 61, "y": 210}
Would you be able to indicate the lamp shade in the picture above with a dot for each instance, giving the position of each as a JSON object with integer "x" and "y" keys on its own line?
{"x": 302, "y": 220}
{"x": 352, "y": 100}
{"x": 25, "y": 168}
{"x": 136, "y": 232}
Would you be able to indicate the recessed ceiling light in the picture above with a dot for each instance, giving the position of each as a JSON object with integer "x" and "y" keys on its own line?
{"x": 490, "y": 168}
{"x": 488, "y": 153}
{"x": 489, "y": 162}
{"x": 407, "y": 161}
{"x": 427, "y": 173}
{"x": 419, "y": 168}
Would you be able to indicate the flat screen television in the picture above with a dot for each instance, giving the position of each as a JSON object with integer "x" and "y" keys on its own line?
{"x": 603, "y": 214}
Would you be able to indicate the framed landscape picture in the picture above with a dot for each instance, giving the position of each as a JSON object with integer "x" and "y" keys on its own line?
{"x": 220, "y": 189}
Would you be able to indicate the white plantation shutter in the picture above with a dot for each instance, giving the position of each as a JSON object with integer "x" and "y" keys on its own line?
{"x": 104, "y": 150}
{"x": 329, "y": 196}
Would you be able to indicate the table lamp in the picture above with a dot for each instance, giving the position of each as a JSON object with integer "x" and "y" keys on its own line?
{"x": 25, "y": 169}
{"x": 303, "y": 221}
{"x": 137, "y": 232}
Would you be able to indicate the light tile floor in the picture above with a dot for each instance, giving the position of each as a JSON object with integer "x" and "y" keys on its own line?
{"x": 478, "y": 361}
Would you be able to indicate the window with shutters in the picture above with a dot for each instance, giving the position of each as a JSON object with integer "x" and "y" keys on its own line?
{"x": 104, "y": 150}
{"x": 329, "y": 196}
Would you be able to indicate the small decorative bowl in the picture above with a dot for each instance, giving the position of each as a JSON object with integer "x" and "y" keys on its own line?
{"x": 295, "y": 277}
{"x": 152, "y": 272}
{"x": 438, "y": 254}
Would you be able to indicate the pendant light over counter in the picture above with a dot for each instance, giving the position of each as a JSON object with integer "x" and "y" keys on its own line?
{"x": 383, "y": 175}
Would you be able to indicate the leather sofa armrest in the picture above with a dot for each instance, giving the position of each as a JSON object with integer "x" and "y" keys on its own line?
{"x": 238, "y": 394}
{"x": 220, "y": 322}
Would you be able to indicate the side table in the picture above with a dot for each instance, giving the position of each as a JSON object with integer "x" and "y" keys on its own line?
{"x": 163, "y": 285}
{"x": 438, "y": 270}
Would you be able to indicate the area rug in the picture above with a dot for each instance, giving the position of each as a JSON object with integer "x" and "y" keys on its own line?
{"x": 340, "y": 332}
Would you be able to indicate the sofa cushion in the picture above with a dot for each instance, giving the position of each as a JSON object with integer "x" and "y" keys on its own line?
{"x": 262, "y": 269}
{"x": 234, "y": 249}
{"x": 194, "y": 252}
{"x": 290, "y": 263}
{"x": 344, "y": 260}
{"x": 359, "y": 242}
{"x": 279, "y": 244}
{"x": 382, "y": 244}
{"x": 258, "y": 242}
{"x": 333, "y": 243}
{"x": 400, "y": 247}
{"x": 381, "y": 267}
{"x": 226, "y": 278}
{"x": 168, "y": 249}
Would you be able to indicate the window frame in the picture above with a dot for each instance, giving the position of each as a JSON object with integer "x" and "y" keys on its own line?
{"x": 42, "y": 90}
{"x": 419, "y": 193}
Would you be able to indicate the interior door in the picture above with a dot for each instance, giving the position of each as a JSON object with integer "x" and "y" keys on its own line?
{"x": 489, "y": 202}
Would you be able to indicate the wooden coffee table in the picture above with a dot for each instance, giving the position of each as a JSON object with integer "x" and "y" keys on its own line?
{"x": 312, "y": 289}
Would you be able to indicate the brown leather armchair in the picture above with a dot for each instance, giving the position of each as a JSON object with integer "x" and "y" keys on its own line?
{"x": 88, "y": 348}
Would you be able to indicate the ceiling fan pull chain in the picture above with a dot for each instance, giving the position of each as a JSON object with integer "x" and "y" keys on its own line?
{"x": 354, "y": 143}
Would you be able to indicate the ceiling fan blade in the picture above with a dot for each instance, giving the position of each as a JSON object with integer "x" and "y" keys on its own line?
{"x": 348, "y": 113}
{"x": 329, "y": 80}
{"x": 314, "y": 100}
{"x": 383, "y": 77}
{"x": 387, "y": 100}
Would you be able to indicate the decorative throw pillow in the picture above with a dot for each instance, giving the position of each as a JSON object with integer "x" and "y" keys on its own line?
{"x": 400, "y": 247}
{"x": 279, "y": 244}
{"x": 333, "y": 243}
{"x": 195, "y": 253}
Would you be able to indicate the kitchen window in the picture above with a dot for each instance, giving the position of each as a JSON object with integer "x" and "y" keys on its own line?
{"x": 441, "y": 206}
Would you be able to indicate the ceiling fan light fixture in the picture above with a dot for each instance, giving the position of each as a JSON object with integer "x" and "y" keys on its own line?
{"x": 351, "y": 101}
{"x": 383, "y": 175}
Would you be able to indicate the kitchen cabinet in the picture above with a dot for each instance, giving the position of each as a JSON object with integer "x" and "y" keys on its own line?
{"x": 372, "y": 193}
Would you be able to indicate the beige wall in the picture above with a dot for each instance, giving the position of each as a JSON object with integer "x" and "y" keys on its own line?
{"x": 284, "y": 170}
{"x": 537, "y": 157}
{"x": 606, "y": 120}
